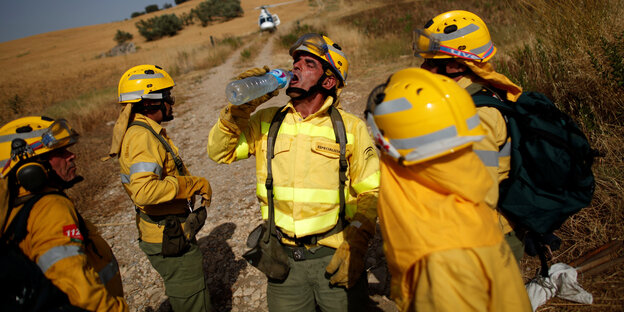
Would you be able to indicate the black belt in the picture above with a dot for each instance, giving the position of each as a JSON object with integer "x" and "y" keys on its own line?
{"x": 303, "y": 253}
{"x": 160, "y": 219}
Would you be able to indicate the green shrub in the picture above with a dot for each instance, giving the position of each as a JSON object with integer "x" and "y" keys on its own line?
{"x": 159, "y": 26}
{"x": 180, "y": 1}
{"x": 151, "y": 8}
{"x": 135, "y": 14}
{"x": 167, "y": 5}
{"x": 187, "y": 18}
{"x": 122, "y": 37}
{"x": 207, "y": 11}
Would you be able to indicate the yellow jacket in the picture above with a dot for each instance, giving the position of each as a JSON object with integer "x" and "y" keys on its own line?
{"x": 433, "y": 206}
{"x": 90, "y": 278}
{"x": 495, "y": 148}
{"x": 305, "y": 167}
{"x": 150, "y": 177}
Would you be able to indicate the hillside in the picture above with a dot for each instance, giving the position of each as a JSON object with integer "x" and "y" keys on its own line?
{"x": 60, "y": 74}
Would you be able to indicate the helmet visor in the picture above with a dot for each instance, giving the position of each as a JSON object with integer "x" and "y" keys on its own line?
{"x": 59, "y": 134}
{"x": 313, "y": 43}
{"x": 423, "y": 41}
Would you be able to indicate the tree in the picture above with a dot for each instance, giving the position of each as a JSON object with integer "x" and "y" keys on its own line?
{"x": 180, "y": 1}
{"x": 167, "y": 5}
{"x": 122, "y": 36}
{"x": 159, "y": 26}
{"x": 135, "y": 14}
{"x": 151, "y": 8}
{"x": 208, "y": 10}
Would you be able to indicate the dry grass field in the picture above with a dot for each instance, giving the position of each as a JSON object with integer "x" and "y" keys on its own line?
{"x": 570, "y": 50}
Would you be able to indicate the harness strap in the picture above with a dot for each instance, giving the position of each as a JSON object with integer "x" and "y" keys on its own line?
{"x": 178, "y": 162}
{"x": 341, "y": 139}
{"x": 272, "y": 135}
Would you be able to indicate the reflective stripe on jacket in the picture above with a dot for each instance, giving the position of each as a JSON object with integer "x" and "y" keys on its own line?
{"x": 305, "y": 168}
{"x": 148, "y": 172}
{"x": 56, "y": 245}
{"x": 433, "y": 206}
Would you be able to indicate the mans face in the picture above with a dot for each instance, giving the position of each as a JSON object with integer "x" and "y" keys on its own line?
{"x": 62, "y": 162}
{"x": 306, "y": 72}
{"x": 447, "y": 67}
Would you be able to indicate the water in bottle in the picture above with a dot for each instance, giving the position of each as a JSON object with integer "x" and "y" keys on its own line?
{"x": 245, "y": 90}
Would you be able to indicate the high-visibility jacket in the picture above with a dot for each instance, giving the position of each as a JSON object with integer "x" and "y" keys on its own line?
{"x": 88, "y": 274}
{"x": 150, "y": 177}
{"x": 305, "y": 168}
{"x": 433, "y": 206}
{"x": 495, "y": 148}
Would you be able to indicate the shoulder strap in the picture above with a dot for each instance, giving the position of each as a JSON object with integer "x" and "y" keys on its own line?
{"x": 341, "y": 138}
{"x": 178, "y": 162}
{"x": 17, "y": 229}
{"x": 272, "y": 135}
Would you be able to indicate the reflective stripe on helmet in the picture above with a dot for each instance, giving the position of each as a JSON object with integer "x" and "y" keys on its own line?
{"x": 26, "y": 135}
{"x": 146, "y": 76}
{"x": 393, "y": 106}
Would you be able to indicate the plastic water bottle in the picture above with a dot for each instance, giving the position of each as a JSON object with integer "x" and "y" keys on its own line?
{"x": 245, "y": 90}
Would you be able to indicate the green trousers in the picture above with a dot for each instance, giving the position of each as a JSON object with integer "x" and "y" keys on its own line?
{"x": 306, "y": 287}
{"x": 183, "y": 277}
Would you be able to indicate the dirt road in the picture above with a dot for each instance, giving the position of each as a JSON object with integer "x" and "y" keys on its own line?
{"x": 234, "y": 285}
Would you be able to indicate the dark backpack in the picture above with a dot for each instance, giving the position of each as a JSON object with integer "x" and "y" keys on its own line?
{"x": 24, "y": 287}
{"x": 550, "y": 177}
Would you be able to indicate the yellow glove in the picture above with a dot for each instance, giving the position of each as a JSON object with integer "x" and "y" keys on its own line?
{"x": 347, "y": 264}
{"x": 236, "y": 117}
{"x": 190, "y": 186}
{"x": 251, "y": 73}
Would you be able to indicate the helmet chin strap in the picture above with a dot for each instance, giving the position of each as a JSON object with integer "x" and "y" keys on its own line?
{"x": 316, "y": 88}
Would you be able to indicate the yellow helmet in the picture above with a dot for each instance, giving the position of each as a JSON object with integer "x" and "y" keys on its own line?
{"x": 23, "y": 140}
{"x": 454, "y": 34}
{"x": 328, "y": 51}
{"x": 418, "y": 115}
{"x": 137, "y": 83}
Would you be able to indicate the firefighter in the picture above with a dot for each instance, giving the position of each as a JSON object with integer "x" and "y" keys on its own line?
{"x": 324, "y": 244}
{"x": 36, "y": 168}
{"x": 444, "y": 247}
{"x": 161, "y": 187}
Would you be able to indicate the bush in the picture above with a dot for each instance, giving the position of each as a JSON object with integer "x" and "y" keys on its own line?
{"x": 208, "y": 10}
{"x": 122, "y": 36}
{"x": 135, "y": 14}
{"x": 167, "y": 5}
{"x": 187, "y": 18}
{"x": 151, "y": 8}
{"x": 159, "y": 26}
{"x": 180, "y": 1}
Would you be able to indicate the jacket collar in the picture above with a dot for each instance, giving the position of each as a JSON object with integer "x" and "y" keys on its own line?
{"x": 154, "y": 125}
{"x": 329, "y": 101}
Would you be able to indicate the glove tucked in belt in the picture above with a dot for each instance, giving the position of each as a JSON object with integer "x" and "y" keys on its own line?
{"x": 347, "y": 264}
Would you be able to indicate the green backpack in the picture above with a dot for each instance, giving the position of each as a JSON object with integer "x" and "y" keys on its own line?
{"x": 550, "y": 177}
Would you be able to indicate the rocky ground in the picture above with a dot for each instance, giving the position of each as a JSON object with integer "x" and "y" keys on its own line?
{"x": 234, "y": 285}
